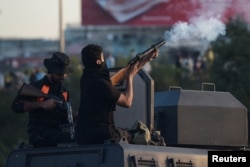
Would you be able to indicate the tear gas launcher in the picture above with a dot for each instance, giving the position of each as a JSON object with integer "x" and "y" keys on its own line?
{"x": 142, "y": 58}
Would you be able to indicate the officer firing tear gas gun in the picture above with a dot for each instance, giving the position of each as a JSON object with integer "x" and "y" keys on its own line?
{"x": 47, "y": 102}
{"x": 99, "y": 96}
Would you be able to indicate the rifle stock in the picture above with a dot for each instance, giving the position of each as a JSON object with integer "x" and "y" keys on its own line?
{"x": 143, "y": 56}
{"x": 29, "y": 90}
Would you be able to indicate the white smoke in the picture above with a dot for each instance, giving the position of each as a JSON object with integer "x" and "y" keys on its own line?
{"x": 207, "y": 22}
{"x": 205, "y": 27}
{"x": 213, "y": 8}
{"x": 198, "y": 29}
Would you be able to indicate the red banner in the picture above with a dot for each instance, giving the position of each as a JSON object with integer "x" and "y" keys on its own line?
{"x": 156, "y": 12}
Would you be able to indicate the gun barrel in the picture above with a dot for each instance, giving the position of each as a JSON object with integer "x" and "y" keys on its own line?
{"x": 159, "y": 44}
{"x": 120, "y": 75}
{"x": 154, "y": 46}
{"x": 140, "y": 55}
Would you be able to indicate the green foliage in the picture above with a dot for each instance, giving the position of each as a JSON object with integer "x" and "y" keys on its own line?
{"x": 72, "y": 83}
{"x": 230, "y": 71}
{"x": 163, "y": 73}
{"x": 231, "y": 67}
{"x": 12, "y": 126}
{"x": 122, "y": 61}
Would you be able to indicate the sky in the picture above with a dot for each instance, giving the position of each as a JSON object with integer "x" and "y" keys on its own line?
{"x": 36, "y": 18}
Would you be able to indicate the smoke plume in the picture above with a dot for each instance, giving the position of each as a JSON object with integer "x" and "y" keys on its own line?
{"x": 199, "y": 29}
{"x": 207, "y": 22}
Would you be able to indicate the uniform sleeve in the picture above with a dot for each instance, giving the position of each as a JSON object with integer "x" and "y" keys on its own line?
{"x": 17, "y": 105}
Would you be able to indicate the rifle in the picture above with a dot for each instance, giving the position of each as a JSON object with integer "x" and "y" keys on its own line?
{"x": 71, "y": 121}
{"x": 141, "y": 57}
{"x": 29, "y": 90}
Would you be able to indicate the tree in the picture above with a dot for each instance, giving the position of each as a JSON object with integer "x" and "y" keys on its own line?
{"x": 230, "y": 70}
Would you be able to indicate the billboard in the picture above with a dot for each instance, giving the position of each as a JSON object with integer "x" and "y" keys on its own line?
{"x": 128, "y": 12}
{"x": 157, "y": 12}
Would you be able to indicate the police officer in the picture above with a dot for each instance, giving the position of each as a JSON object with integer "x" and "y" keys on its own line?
{"x": 46, "y": 115}
{"x": 98, "y": 99}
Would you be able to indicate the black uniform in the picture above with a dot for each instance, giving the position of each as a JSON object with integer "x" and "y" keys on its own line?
{"x": 44, "y": 126}
{"x": 95, "y": 122}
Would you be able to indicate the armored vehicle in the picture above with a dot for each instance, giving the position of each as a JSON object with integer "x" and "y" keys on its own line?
{"x": 191, "y": 122}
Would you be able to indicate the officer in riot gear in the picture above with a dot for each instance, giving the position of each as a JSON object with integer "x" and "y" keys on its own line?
{"x": 47, "y": 114}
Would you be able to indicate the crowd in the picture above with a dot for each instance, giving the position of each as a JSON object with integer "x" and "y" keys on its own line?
{"x": 190, "y": 65}
{"x": 15, "y": 78}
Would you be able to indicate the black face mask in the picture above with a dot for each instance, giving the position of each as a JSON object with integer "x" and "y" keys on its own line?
{"x": 91, "y": 64}
{"x": 102, "y": 65}
{"x": 98, "y": 70}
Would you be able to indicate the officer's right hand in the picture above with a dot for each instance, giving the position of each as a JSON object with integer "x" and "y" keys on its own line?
{"x": 49, "y": 104}
{"x": 133, "y": 70}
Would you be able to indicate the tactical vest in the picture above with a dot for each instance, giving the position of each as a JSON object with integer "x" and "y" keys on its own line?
{"x": 45, "y": 90}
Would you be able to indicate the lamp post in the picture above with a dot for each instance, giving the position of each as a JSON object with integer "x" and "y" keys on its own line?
{"x": 61, "y": 27}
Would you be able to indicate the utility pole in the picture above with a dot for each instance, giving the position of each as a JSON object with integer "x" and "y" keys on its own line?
{"x": 61, "y": 27}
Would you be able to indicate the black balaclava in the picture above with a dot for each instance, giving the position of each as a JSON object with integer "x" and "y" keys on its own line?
{"x": 90, "y": 54}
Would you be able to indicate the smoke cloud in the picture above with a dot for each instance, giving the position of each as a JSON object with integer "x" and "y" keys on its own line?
{"x": 198, "y": 29}
{"x": 207, "y": 22}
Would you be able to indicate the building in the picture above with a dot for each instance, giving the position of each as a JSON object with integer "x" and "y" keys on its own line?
{"x": 11, "y": 48}
{"x": 124, "y": 25}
